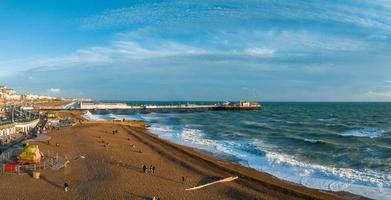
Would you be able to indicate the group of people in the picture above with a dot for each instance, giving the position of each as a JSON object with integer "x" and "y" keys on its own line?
{"x": 151, "y": 169}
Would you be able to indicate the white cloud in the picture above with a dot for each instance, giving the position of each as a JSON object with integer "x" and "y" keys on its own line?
{"x": 388, "y": 81}
{"x": 260, "y": 51}
{"x": 382, "y": 95}
{"x": 55, "y": 90}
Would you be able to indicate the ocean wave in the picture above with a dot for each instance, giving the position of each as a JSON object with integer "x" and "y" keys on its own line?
{"x": 110, "y": 116}
{"x": 251, "y": 153}
{"x": 327, "y": 119}
{"x": 363, "y": 176}
{"x": 258, "y": 124}
{"x": 313, "y": 141}
{"x": 364, "y": 132}
{"x": 256, "y": 154}
{"x": 92, "y": 117}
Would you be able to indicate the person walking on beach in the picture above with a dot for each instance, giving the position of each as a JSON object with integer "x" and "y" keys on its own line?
{"x": 145, "y": 169}
{"x": 153, "y": 169}
{"x": 66, "y": 185}
{"x": 183, "y": 179}
{"x": 150, "y": 169}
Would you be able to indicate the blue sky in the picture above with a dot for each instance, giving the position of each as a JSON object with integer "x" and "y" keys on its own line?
{"x": 198, "y": 50}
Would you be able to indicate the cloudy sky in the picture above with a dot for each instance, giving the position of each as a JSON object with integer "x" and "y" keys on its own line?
{"x": 198, "y": 50}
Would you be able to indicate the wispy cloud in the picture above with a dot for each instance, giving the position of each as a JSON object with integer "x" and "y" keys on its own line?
{"x": 260, "y": 51}
{"x": 370, "y": 14}
{"x": 55, "y": 90}
{"x": 380, "y": 94}
{"x": 126, "y": 51}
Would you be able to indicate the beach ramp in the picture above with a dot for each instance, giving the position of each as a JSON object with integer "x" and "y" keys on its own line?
{"x": 229, "y": 179}
{"x": 40, "y": 138}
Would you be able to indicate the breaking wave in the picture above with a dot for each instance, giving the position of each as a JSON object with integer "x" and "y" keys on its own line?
{"x": 255, "y": 154}
{"x": 364, "y": 132}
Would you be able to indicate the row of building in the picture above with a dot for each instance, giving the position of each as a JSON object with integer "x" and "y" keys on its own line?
{"x": 9, "y": 94}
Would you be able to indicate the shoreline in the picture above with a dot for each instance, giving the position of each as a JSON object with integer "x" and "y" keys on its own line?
{"x": 253, "y": 175}
{"x": 113, "y": 170}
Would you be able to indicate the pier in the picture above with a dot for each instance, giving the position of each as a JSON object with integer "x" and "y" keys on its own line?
{"x": 242, "y": 105}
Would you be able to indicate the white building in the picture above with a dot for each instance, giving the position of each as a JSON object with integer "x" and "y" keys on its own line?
{"x": 8, "y": 93}
{"x": 38, "y": 97}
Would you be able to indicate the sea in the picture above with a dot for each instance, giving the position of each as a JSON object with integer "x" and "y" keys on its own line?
{"x": 328, "y": 146}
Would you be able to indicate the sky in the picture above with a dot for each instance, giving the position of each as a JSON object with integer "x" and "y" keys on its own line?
{"x": 266, "y": 50}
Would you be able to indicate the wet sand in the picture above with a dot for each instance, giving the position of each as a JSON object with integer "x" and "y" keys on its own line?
{"x": 112, "y": 169}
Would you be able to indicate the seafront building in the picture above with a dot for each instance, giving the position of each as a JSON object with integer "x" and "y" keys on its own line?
{"x": 13, "y": 130}
{"x": 15, "y": 114}
{"x": 8, "y": 93}
{"x": 2, "y": 108}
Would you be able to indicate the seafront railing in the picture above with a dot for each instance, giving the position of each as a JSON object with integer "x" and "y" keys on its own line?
{"x": 2, "y": 123}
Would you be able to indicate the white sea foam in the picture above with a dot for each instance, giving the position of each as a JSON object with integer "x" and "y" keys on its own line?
{"x": 311, "y": 140}
{"x": 364, "y": 132}
{"x": 96, "y": 117}
{"x": 91, "y": 117}
{"x": 327, "y": 120}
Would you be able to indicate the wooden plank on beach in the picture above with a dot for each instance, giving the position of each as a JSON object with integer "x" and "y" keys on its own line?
{"x": 212, "y": 183}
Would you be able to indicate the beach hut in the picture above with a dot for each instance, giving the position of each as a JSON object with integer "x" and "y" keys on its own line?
{"x": 30, "y": 155}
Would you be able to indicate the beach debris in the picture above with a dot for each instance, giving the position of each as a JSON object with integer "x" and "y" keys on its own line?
{"x": 66, "y": 186}
{"x": 36, "y": 174}
{"x": 144, "y": 169}
{"x": 232, "y": 178}
{"x": 62, "y": 162}
{"x": 81, "y": 157}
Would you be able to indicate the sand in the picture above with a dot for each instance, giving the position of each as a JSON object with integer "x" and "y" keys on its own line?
{"x": 112, "y": 169}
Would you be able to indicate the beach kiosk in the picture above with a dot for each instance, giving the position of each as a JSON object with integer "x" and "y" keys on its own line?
{"x": 30, "y": 155}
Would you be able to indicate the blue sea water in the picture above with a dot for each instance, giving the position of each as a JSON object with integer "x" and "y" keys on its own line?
{"x": 330, "y": 146}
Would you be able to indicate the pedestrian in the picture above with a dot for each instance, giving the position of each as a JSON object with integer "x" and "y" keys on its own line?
{"x": 150, "y": 169}
{"x": 66, "y": 185}
{"x": 183, "y": 179}
{"x": 145, "y": 169}
{"x": 153, "y": 169}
